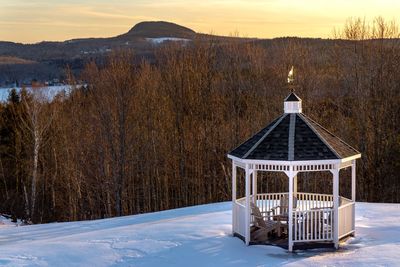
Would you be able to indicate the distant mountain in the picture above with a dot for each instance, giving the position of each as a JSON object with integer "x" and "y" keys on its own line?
{"x": 51, "y": 58}
{"x": 155, "y": 29}
{"x": 89, "y": 47}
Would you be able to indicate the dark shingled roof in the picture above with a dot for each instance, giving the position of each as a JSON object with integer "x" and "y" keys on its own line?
{"x": 294, "y": 137}
{"x": 292, "y": 98}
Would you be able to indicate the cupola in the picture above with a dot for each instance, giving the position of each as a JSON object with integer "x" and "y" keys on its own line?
{"x": 292, "y": 104}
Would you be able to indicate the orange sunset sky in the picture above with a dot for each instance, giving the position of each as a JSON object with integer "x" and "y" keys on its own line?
{"x": 31, "y": 21}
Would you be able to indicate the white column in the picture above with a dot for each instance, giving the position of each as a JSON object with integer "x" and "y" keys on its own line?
{"x": 290, "y": 231}
{"x": 254, "y": 175}
{"x": 353, "y": 193}
{"x": 233, "y": 197}
{"x": 336, "y": 207}
{"x": 353, "y": 181}
{"x": 247, "y": 208}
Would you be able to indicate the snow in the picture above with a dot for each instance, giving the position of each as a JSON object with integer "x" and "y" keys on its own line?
{"x": 194, "y": 236}
{"x": 49, "y": 92}
{"x": 5, "y": 221}
{"x": 164, "y": 39}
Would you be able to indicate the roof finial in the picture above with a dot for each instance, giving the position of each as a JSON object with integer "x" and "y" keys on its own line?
{"x": 290, "y": 78}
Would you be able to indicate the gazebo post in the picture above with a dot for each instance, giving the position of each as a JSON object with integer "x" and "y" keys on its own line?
{"x": 295, "y": 185}
{"x": 353, "y": 191}
{"x": 254, "y": 175}
{"x": 247, "y": 208}
{"x": 290, "y": 215}
{"x": 335, "y": 173}
{"x": 353, "y": 180}
{"x": 233, "y": 196}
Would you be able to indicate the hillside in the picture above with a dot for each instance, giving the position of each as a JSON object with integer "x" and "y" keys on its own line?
{"x": 53, "y": 57}
{"x": 7, "y": 60}
{"x": 195, "y": 236}
{"x": 154, "y": 29}
{"x": 89, "y": 47}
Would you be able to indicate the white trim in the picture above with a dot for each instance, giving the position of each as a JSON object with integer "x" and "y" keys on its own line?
{"x": 247, "y": 207}
{"x": 345, "y": 205}
{"x": 234, "y": 196}
{"x": 353, "y": 181}
{"x": 290, "y": 230}
{"x": 357, "y": 156}
{"x": 239, "y": 163}
{"x": 344, "y": 165}
{"x": 285, "y": 162}
{"x": 284, "y": 166}
{"x": 254, "y": 188}
{"x": 233, "y": 157}
{"x": 293, "y": 163}
{"x": 353, "y": 191}
{"x": 349, "y": 233}
{"x": 336, "y": 207}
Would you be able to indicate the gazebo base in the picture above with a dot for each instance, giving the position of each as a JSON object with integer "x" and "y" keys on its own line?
{"x": 284, "y": 243}
{"x": 313, "y": 219}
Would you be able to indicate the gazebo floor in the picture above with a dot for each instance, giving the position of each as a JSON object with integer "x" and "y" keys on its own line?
{"x": 283, "y": 243}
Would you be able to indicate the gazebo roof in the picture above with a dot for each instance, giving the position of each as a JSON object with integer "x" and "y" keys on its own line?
{"x": 294, "y": 137}
{"x": 292, "y": 98}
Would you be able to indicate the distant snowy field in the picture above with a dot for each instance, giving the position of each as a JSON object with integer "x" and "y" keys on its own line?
{"x": 48, "y": 92}
{"x": 194, "y": 236}
{"x": 161, "y": 40}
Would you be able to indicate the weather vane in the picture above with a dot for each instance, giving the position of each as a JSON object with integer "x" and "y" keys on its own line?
{"x": 290, "y": 78}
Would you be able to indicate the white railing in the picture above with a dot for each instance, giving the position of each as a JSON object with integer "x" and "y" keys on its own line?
{"x": 313, "y": 225}
{"x": 312, "y": 218}
{"x": 238, "y": 223}
{"x": 346, "y": 217}
{"x": 308, "y": 201}
{"x": 266, "y": 202}
{"x": 305, "y": 201}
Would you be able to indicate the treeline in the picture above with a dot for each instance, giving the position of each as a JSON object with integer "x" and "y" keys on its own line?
{"x": 147, "y": 137}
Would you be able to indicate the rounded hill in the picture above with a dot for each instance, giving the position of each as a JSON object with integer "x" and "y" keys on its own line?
{"x": 154, "y": 29}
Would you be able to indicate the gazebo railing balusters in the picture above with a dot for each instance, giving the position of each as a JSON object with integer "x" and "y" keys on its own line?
{"x": 320, "y": 219}
{"x": 311, "y": 225}
{"x": 315, "y": 201}
{"x": 312, "y": 220}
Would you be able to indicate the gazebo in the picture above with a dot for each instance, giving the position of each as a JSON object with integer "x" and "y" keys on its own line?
{"x": 291, "y": 144}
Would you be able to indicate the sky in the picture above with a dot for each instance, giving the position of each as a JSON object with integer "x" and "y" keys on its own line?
{"x": 30, "y": 21}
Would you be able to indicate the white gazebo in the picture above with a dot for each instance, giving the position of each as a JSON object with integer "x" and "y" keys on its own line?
{"x": 291, "y": 144}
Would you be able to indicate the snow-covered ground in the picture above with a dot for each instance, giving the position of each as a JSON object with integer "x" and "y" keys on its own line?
{"x": 6, "y": 221}
{"x": 195, "y": 236}
{"x": 48, "y": 92}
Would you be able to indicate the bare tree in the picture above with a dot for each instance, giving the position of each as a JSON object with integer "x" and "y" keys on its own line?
{"x": 35, "y": 120}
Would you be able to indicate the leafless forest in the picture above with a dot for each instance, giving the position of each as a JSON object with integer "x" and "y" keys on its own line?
{"x": 154, "y": 136}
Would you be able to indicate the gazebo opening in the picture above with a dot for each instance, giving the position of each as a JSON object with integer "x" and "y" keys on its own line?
{"x": 299, "y": 148}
